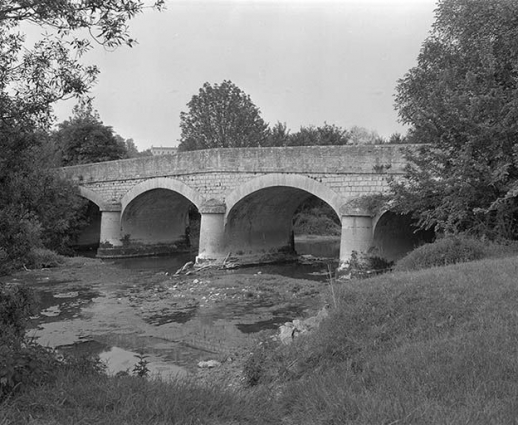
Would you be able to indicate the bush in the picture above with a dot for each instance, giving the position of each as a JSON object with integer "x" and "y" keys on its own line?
{"x": 316, "y": 222}
{"x": 444, "y": 251}
{"x": 39, "y": 258}
{"x": 362, "y": 265}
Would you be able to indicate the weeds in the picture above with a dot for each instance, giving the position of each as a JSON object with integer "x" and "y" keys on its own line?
{"x": 362, "y": 265}
{"x": 141, "y": 367}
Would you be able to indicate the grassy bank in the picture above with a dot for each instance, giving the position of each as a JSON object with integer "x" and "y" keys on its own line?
{"x": 436, "y": 346}
{"x": 431, "y": 347}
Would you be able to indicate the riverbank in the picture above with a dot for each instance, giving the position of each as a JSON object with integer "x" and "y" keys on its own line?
{"x": 95, "y": 307}
{"x": 424, "y": 347}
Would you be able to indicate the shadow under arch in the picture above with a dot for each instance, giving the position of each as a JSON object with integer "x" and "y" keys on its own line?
{"x": 260, "y": 212}
{"x": 158, "y": 216}
{"x": 89, "y": 237}
{"x": 395, "y": 235}
{"x": 161, "y": 183}
{"x": 307, "y": 184}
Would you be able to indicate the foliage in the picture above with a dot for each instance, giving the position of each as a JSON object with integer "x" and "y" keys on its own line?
{"x": 24, "y": 366}
{"x": 83, "y": 139}
{"x": 221, "y": 116}
{"x": 21, "y": 362}
{"x": 32, "y": 80}
{"x": 131, "y": 148}
{"x": 324, "y": 135}
{"x": 362, "y": 265}
{"x": 362, "y": 136}
{"x": 278, "y": 135}
{"x": 315, "y": 217}
{"x": 461, "y": 99}
{"x": 141, "y": 367}
{"x": 37, "y": 207}
{"x": 39, "y": 258}
{"x": 444, "y": 251}
{"x": 16, "y": 305}
{"x": 320, "y": 136}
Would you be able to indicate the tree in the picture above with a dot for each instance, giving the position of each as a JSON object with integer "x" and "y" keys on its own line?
{"x": 84, "y": 139}
{"x": 278, "y": 135}
{"x": 461, "y": 99}
{"x": 131, "y": 148}
{"x": 320, "y": 136}
{"x": 221, "y": 116}
{"x": 36, "y": 206}
{"x": 362, "y": 136}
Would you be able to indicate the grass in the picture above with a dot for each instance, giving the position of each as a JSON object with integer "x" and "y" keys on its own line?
{"x": 73, "y": 399}
{"x": 428, "y": 347}
{"x": 435, "y": 346}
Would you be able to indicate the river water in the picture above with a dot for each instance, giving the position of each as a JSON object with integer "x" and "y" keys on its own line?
{"x": 174, "y": 323}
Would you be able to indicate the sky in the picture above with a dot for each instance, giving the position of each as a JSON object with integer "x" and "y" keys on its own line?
{"x": 303, "y": 62}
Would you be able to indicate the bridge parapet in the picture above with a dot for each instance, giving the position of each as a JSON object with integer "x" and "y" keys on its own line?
{"x": 354, "y": 159}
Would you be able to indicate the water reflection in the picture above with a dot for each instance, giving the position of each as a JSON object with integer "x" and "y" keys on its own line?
{"x": 118, "y": 360}
{"x": 118, "y": 322}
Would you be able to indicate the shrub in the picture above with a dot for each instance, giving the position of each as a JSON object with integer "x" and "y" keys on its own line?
{"x": 24, "y": 365}
{"x": 316, "y": 222}
{"x": 43, "y": 258}
{"x": 16, "y": 305}
{"x": 362, "y": 265}
{"x": 444, "y": 251}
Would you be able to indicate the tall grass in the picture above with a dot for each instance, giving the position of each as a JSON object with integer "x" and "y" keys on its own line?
{"x": 74, "y": 399}
{"x": 429, "y": 347}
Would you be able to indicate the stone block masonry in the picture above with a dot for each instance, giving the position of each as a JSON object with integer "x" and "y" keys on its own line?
{"x": 256, "y": 190}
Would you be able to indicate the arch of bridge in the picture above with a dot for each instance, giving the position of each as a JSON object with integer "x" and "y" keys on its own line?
{"x": 92, "y": 196}
{"x": 161, "y": 183}
{"x": 296, "y": 181}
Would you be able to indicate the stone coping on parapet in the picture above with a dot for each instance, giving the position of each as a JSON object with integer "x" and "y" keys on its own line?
{"x": 371, "y": 159}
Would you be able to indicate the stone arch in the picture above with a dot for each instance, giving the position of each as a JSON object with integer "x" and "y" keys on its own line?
{"x": 288, "y": 180}
{"x": 259, "y": 216}
{"x": 156, "y": 216}
{"x": 161, "y": 183}
{"x": 92, "y": 196}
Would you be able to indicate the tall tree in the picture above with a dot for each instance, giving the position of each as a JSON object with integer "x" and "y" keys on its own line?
{"x": 84, "y": 139}
{"x": 461, "y": 98}
{"x": 31, "y": 80}
{"x": 221, "y": 116}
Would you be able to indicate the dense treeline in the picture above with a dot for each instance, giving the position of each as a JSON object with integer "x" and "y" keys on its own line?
{"x": 38, "y": 209}
{"x": 224, "y": 116}
{"x": 460, "y": 98}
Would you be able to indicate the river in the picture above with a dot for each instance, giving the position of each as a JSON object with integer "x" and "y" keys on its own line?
{"x": 125, "y": 308}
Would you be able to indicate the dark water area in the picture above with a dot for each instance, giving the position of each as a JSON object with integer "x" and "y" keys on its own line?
{"x": 166, "y": 263}
{"x": 313, "y": 270}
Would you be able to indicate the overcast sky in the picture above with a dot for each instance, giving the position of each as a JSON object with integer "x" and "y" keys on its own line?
{"x": 302, "y": 63}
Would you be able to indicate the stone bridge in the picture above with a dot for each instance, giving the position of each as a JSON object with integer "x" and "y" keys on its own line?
{"x": 246, "y": 198}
